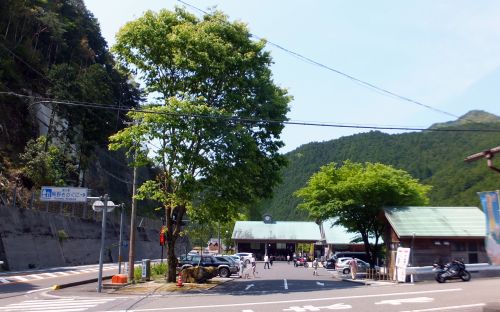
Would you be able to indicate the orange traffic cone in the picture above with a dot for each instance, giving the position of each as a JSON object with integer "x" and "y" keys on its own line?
{"x": 179, "y": 280}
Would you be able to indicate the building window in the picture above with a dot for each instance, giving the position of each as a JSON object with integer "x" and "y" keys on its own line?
{"x": 280, "y": 245}
{"x": 458, "y": 246}
{"x": 254, "y": 246}
{"x": 472, "y": 246}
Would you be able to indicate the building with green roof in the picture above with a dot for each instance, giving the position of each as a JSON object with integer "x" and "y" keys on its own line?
{"x": 437, "y": 233}
{"x": 281, "y": 238}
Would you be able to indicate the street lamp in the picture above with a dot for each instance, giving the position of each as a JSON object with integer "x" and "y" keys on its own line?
{"x": 104, "y": 205}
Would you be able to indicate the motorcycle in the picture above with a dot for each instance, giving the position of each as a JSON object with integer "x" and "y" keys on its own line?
{"x": 452, "y": 270}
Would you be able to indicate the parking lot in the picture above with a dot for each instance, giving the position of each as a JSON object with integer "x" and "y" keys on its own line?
{"x": 284, "y": 278}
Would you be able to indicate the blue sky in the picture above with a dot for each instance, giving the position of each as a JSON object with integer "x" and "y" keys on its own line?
{"x": 444, "y": 54}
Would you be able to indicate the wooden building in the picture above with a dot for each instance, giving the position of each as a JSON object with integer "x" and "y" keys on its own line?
{"x": 436, "y": 233}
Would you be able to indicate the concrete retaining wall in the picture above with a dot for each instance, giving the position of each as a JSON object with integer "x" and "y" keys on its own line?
{"x": 36, "y": 239}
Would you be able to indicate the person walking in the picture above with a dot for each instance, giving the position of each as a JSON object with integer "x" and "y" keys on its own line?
{"x": 271, "y": 259}
{"x": 266, "y": 262}
{"x": 354, "y": 268}
{"x": 288, "y": 259}
{"x": 315, "y": 267}
{"x": 242, "y": 267}
{"x": 254, "y": 267}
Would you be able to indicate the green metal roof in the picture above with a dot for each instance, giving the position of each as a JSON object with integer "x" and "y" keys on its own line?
{"x": 336, "y": 234}
{"x": 279, "y": 230}
{"x": 437, "y": 221}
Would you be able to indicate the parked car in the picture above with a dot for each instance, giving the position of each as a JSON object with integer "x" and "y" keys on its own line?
{"x": 351, "y": 254}
{"x": 245, "y": 256}
{"x": 345, "y": 268}
{"x": 236, "y": 259}
{"x": 224, "y": 266}
{"x": 333, "y": 262}
{"x": 234, "y": 267}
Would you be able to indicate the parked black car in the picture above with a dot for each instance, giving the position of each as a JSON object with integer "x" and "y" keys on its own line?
{"x": 224, "y": 266}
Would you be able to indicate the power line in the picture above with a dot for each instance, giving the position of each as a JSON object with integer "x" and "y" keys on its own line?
{"x": 329, "y": 68}
{"x": 252, "y": 120}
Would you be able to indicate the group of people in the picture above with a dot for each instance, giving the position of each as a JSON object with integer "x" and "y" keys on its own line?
{"x": 248, "y": 268}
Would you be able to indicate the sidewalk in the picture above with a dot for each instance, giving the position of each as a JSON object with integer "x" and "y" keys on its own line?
{"x": 89, "y": 288}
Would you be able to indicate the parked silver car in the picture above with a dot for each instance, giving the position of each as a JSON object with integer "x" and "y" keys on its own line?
{"x": 345, "y": 267}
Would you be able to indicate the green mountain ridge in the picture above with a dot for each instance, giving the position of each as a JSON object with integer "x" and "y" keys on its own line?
{"x": 434, "y": 157}
{"x": 474, "y": 116}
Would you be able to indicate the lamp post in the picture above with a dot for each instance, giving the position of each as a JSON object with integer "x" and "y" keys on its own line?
{"x": 102, "y": 205}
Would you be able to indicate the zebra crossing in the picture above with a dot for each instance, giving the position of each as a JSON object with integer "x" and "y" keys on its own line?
{"x": 56, "y": 305}
{"x": 45, "y": 275}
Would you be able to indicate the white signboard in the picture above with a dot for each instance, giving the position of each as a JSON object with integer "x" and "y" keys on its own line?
{"x": 64, "y": 194}
{"x": 402, "y": 259}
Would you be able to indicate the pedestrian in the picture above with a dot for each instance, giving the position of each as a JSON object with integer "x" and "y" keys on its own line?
{"x": 271, "y": 259}
{"x": 288, "y": 259}
{"x": 242, "y": 267}
{"x": 354, "y": 268}
{"x": 315, "y": 267}
{"x": 266, "y": 262}
{"x": 254, "y": 267}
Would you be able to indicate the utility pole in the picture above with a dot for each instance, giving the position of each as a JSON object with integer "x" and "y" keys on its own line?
{"x": 133, "y": 212}
{"x": 488, "y": 154}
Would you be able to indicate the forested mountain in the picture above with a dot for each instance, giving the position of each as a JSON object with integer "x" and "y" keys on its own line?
{"x": 434, "y": 157}
{"x": 52, "y": 53}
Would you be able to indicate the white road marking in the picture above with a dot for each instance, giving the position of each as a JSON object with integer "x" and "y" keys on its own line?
{"x": 49, "y": 274}
{"x": 246, "y": 310}
{"x": 3, "y": 280}
{"x": 56, "y": 305}
{"x": 320, "y": 284}
{"x": 407, "y": 300}
{"x": 285, "y": 284}
{"x": 62, "y": 273}
{"x": 246, "y": 304}
{"x": 35, "y": 276}
{"x": 37, "y": 290}
{"x": 338, "y": 306}
{"x": 460, "y": 307}
{"x": 20, "y": 278}
{"x": 249, "y": 286}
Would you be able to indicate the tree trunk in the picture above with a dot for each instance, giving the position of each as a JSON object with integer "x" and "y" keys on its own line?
{"x": 173, "y": 232}
{"x": 172, "y": 261}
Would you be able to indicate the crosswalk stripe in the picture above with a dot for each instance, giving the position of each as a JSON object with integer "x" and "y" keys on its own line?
{"x": 62, "y": 273}
{"x": 20, "y": 278}
{"x": 56, "y": 305}
{"x": 3, "y": 280}
{"x": 35, "y": 276}
{"x": 49, "y": 274}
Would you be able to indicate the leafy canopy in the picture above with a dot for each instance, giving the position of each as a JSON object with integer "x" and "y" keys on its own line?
{"x": 209, "y": 137}
{"x": 334, "y": 191}
{"x": 356, "y": 193}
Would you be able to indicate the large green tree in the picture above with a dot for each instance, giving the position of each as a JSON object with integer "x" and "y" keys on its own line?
{"x": 355, "y": 195}
{"x": 217, "y": 127}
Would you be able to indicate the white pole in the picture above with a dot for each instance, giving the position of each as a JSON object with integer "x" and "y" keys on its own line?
{"x": 103, "y": 238}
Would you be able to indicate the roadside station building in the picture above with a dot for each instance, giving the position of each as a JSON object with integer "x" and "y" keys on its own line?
{"x": 437, "y": 233}
{"x": 281, "y": 238}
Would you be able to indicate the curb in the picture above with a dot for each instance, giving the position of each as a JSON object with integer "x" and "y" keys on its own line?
{"x": 369, "y": 282}
{"x": 72, "y": 284}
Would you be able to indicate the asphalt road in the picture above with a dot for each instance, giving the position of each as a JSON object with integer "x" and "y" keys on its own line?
{"x": 282, "y": 288}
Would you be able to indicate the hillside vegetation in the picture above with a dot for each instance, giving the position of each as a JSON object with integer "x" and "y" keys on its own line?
{"x": 51, "y": 53}
{"x": 436, "y": 158}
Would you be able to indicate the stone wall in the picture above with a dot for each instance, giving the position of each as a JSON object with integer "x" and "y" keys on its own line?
{"x": 39, "y": 239}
